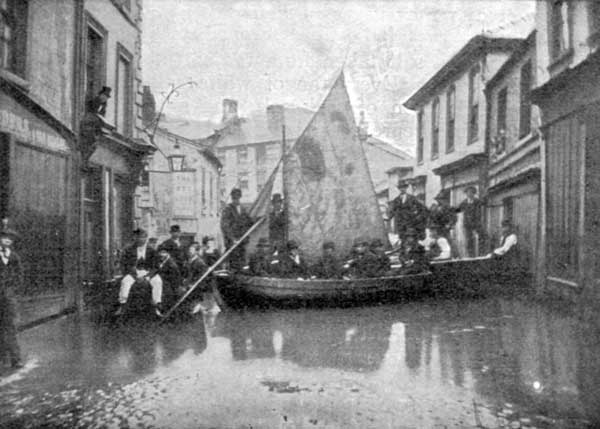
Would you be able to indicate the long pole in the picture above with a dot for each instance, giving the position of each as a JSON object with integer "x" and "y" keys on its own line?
{"x": 283, "y": 188}
{"x": 213, "y": 267}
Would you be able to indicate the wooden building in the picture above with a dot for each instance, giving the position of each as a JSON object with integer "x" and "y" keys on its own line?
{"x": 568, "y": 95}
{"x": 513, "y": 176}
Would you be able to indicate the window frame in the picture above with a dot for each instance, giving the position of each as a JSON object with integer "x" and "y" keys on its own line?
{"x": 435, "y": 128}
{"x": 18, "y": 23}
{"x": 450, "y": 118}
{"x": 92, "y": 24}
{"x": 525, "y": 103}
{"x": 473, "y": 128}
{"x": 420, "y": 138}
{"x": 557, "y": 56}
{"x": 239, "y": 150}
{"x": 593, "y": 21}
{"x": 123, "y": 53}
{"x": 245, "y": 177}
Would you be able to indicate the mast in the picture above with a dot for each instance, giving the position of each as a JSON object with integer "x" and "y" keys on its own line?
{"x": 283, "y": 187}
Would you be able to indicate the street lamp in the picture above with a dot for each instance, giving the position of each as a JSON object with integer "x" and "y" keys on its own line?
{"x": 176, "y": 158}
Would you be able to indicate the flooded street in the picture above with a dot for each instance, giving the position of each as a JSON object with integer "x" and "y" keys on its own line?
{"x": 482, "y": 363}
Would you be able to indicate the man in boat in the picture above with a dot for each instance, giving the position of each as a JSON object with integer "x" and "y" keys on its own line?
{"x": 173, "y": 246}
{"x": 408, "y": 212}
{"x": 195, "y": 267}
{"x": 260, "y": 261}
{"x": 361, "y": 262}
{"x": 277, "y": 223}
{"x": 11, "y": 282}
{"x": 235, "y": 221}
{"x": 436, "y": 246}
{"x": 472, "y": 209}
{"x": 382, "y": 260}
{"x": 139, "y": 263}
{"x": 412, "y": 254}
{"x": 507, "y": 253}
{"x": 329, "y": 266}
{"x": 210, "y": 253}
{"x": 291, "y": 263}
{"x": 169, "y": 272}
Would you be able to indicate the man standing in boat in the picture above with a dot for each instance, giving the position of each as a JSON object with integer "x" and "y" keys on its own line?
{"x": 408, "y": 212}
{"x": 472, "y": 209}
{"x": 235, "y": 221}
{"x": 277, "y": 223}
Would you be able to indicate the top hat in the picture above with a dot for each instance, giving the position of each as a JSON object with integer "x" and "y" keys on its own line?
{"x": 106, "y": 90}
{"x": 276, "y": 198}
{"x": 139, "y": 232}
{"x": 443, "y": 195}
{"x": 175, "y": 228}
{"x": 292, "y": 245}
{"x": 206, "y": 239}
{"x": 329, "y": 245}
{"x": 402, "y": 184}
{"x": 236, "y": 193}
{"x": 471, "y": 189}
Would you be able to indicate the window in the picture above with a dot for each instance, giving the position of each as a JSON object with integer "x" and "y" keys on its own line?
{"x": 243, "y": 181}
{"x": 501, "y": 106}
{"x": 594, "y": 16}
{"x": 450, "y": 115}
{"x": 260, "y": 152}
{"x": 273, "y": 152}
{"x": 435, "y": 128}
{"x": 242, "y": 155}
{"x": 94, "y": 58}
{"x": 203, "y": 189}
{"x": 507, "y": 209}
{"x": 474, "y": 93}
{"x": 4, "y": 174}
{"x": 525, "y": 100}
{"x": 13, "y": 36}
{"x": 560, "y": 39}
{"x": 420, "y": 140}
{"x": 261, "y": 178}
{"x": 123, "y": 93}
{"x": 211, "y": 193}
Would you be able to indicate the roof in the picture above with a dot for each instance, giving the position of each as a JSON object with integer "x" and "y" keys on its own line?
{"x": 399, "y": 169}
{"x": 474, "y": 48}
{"x": 255, "y": 127}
{"x": 388, "y": 147}
{"x": 461, "y": 164}
{"x": 188, "y": 128}
{"x": 518, "y": 54}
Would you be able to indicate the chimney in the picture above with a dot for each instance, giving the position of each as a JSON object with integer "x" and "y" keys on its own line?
{"x": 148, "y": 106}
{"x": 363, "y": 127}
{"x": 230, "y": 110}
{"x": 275, "y": 119}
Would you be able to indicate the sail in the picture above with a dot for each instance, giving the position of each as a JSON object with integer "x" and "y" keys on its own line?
{"x": 330, "y": 195}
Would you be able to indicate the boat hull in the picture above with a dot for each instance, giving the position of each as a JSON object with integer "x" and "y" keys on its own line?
{"x": 325, "y": 291}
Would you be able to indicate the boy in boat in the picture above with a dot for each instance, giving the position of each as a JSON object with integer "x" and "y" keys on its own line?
{"x": 234, "y": 224}
{"x": 139, "y": 263}
{"x": 277, "y": 223}
{"x": 382, "y": 264}
{"x": 507, "y": 252}
{"x": 173, "y": 246}
{"x": 291, "y": 263}
{"x": 408, "y": 212}
{"x": 362, "y": 261}
{"x": 436, "y": 246}
{"x": 412, "y": 254}
{"x": 328, "y": 266}
{"x": 260, "y": 261}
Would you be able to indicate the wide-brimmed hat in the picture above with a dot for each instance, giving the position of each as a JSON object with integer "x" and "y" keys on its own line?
{"x": 276, "y": 198}
{"x": 471, "y": 189}
{"x": 403, "y": 184}
{"x": 292, "y": 245}
{"x": 236, "y": 192}
{"x": 106, "y": 90}
{"x": 175, "y": 228}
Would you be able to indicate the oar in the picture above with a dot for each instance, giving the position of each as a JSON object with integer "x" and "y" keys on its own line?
{"x": 212, "y": 267}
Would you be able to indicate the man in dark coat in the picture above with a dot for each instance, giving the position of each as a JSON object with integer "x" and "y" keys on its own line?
{"x": 407, "y": 212}
{"x": 328, "y": 267}
{"x": 11, "y": 280}
{"x": 234, "y": 223}
{"x": 412, "y": 254}
{"x": 472, "y": 209}
{"x": 362, "y": 262}
{"x": 277, "y": 223}
{"x": 260, "y": 261}
{"x": 139, "y": 262}
{"x": 441, "y": 215}
{"x": 382, "y": 265}
{"x": 174, "y": 247}
{"x": 169, "y": 272}
{"x": 210, "y": 253}
{"x": 291, "y": 262}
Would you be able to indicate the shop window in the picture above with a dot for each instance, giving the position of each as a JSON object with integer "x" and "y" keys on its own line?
{"x": 525, "y": 100}
{"x": 420, "y": 139}
{"x": 450, "y": 115}
{"x": 501, "y": 110}
{"x": 435, "y": 128}
{"x": 508, "y": 209}
{"x": 13, "y": 36}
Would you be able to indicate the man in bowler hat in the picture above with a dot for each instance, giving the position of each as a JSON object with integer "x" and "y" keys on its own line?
{"x": 11, "y": 280}
{"x": 173, "y": 246}
{"x": 235, "y": 221}
{"x": 472, "y": 209}
{"x": 407, "y": 212}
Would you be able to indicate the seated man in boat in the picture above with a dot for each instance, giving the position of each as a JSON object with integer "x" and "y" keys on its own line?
{"x": 412, "y": 254}
{"x": 507, "y": 252}
{"x": 139, "y": 263}
{"x": 329, "y": 266}
{"x": 382, "y": 265}
{"x": 362, "y": 262}
{"x": 291, "y": 263}
{"x": 436, "y": 246}
{"x": 260, "y": 261}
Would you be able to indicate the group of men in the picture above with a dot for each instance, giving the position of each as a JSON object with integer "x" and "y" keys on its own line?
{"x": 169, "y": 269}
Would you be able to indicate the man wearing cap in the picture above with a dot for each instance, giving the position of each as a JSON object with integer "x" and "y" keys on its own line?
{"x": 472, "y": 209}
{"x": 277, "y": 223}
{"x": 407, "y": 212}
{"x": 139, "y": 262}
{"x": 507, "y": 252}
{"x": 11, "y": 280}
{"x": 260, "y": 261}
{"x": 329, "y": 266}
{"x": 173, "y": 246}
{"x": 235, "y": 221}
{"x": 291, "y": 263}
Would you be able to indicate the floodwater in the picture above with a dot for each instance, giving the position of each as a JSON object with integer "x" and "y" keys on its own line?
{"x": 486, "y": 363}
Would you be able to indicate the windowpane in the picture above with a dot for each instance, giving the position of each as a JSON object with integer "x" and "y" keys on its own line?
{"x": 94, "y": 63}
{"x": 13, "y": 33}
{"x": 501, "y": 118}
{"x": 435, "y": 128}
{"x": 123, "y": 121}
{"x": 420, "y": 137}
{"x": 525, "y": 102}
{"x": 242, "y": 155}
{"x": 474, "y": 94}
{"x": 559, "y": 27}
{"x": 450, "y": 114}
{"x": 261, "y": 154}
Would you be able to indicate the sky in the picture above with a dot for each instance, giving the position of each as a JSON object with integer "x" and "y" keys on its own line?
{"x": 290, "y": 52}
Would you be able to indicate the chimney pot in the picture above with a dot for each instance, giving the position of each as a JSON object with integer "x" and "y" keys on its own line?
{"x": 275, "y": 119}
{"x": 230, "y": 109}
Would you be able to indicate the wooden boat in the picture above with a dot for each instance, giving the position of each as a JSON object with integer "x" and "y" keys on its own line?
{"x": 324, "y": 291}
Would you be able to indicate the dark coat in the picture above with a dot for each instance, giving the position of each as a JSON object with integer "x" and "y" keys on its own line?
{"x": 328, "y": 267}
{"x": 177, "y": 252}
{"x": 11, "y": 281}
{"x": 409, "y": 214}
{"x": 277, "y": 228}
{"x": 259, "y": 264}
{"x": 472, "y": 213}
{"x": 234, "y": 224}
{"x": 170, "y": 275}
{"x": 211, "y": 258}
{"x": 413, "y": 258}
{"x": 289, "y": 268}
{"x": 443, "y": 218}
{"x": 382, "y": 264}
{"x": 130, "y": 262}
{"x": 364, "y": 265}
{"x": 194, "y": 270}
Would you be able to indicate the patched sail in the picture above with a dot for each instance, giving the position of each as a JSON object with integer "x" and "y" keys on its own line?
{"x": 262, "y": 207}
{"x": 330, "y": 195}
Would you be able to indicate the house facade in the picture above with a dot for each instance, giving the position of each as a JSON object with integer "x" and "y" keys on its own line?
{"x": 513, "y": 177}
{"x": 451, "y": 122}
{"x": 568, "y": 95}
